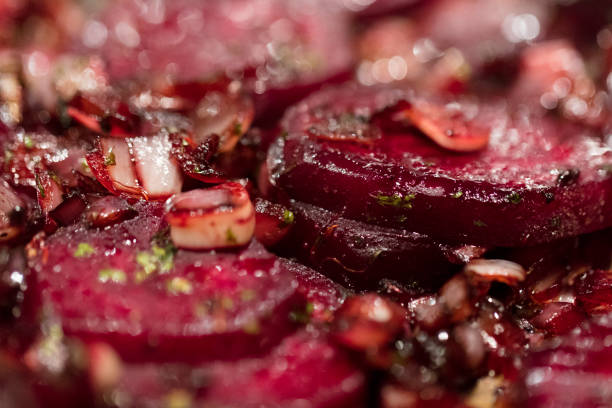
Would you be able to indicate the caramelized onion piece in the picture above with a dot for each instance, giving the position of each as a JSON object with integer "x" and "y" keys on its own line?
{"x": 446, "y": 125}
{"x": 228, "y": 116}
{"x": 139, "y": 167}
{"x": 219, "y": 217}
{"x": 499, "y": 270}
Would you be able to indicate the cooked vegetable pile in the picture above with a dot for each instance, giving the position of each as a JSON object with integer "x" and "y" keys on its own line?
{"x": 305, "y": 203}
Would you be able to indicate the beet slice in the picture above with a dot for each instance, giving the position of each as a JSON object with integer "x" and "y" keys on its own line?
{"x": 538, "y": 179}
{"x": 361, "y": 255}
{"x": 304, "y": 367}
{"x": 123, "y": 286}
{"x": 575, "y": 371}
{"x": 189, "y": 40}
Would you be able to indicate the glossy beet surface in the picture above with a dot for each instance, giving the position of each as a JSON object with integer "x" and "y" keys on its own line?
{"x": 575, "y": 371}
{"x": 537, "y": 180}
{"x": 125, "y": 286}
{"x": 360, "y": 255}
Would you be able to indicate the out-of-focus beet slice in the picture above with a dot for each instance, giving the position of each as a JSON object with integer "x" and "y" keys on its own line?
{"x": 276, "y": 46}
{"x": 304, "y": 367}
{"x": 122, "y": 286}
{"x": 323, "y": 295}
{"x": 362, "y": 255}
{"x": 108, "y": 210}
{"x": 538, "y": 179}
{"x": 574, "y": 371}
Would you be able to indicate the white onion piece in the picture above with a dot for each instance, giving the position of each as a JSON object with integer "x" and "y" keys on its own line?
{"x": 219, "y": 217}
{"x": 224, "y": 115}
{"x": 9, "y": 201}
{"x": 500, "y": 270}
{"x": 118, "y": 161}
{"x": 159, "y": 175}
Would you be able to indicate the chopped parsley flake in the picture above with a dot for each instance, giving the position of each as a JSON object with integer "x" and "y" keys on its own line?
{"x": 111, "y": 275}
{"x": 230, "y": 237}
{"x": 252, "y": 327}
{"x": 109, "y": 160}
{"x": 28, "y": 142}
{"x": 396, "y": 200}
{"x": 158, "y": 259}
{"x": 458, "y": 194}
{"x": 479, "y": 223}
{"x": 238, "y": 129}
{"x": 39, "y": 186}
{"x": 514, "y": 197}
{"x": 178, "y": 285}
{"x": 84, "y": 250}
{"x": 288, "y": 218}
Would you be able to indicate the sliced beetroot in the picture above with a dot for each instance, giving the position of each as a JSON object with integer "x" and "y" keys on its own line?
{"x": 323, "y": 295}
{"x": 574, "y": 371}
{"x": 362, "y": 255}
{"x": 108, "y": 210}
{"x": 304, "y": 367}
{"x": 272, "y": 222}
{"x": 539, "y": 179}
{"x": 124, "y": 286}
{"x": 308, "y": 47}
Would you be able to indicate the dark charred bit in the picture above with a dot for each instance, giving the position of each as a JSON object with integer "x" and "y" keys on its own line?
{"x": 18, "y": 215}
{"x": 567, "y": 176}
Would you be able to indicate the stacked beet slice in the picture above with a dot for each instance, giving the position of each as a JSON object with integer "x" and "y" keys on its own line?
{"x": 374, "y": 156}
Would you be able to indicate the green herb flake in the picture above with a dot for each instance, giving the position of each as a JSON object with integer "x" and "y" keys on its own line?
{"x": 109, "y": 160}
{"x": 230, "y": 237}
{"x": 302, "y": 315}
{"x": 39, "y": 186}
{"x": 8, "y": 156}
{"x": 227, "y": 303}
{"x": 514, "y": 197}
{"x": 458, "y": 194}
{"x": 247, "y": 295}
{"x": 112, "y": 275}
{"x": 288, "y": 218}
{"x": 179, "y": 285}
{"x": 396, "y": 200}
{"x": 84, "y": 250}
{"x": 252, "y": 327}
{"x": 28, "y": 142}
{"x": 179, "y": 398}
{"x": 238, "y": 129}
{"x": 479, "y": 223}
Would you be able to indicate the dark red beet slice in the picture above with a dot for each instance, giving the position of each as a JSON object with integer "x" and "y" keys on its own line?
{"x": 119, "y": 285}
{"x": 272, "y": 222}
{"x": 575, "y": 371}
{"x": 324, "y": 296}
{"x": 306, "y": 47}
{"x": 361, "y": 255}
{"x": 304, "y": 367}
{"x": 537, "y": 180}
